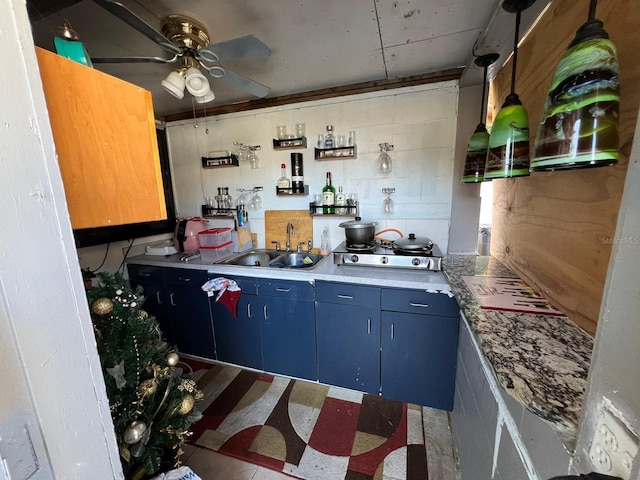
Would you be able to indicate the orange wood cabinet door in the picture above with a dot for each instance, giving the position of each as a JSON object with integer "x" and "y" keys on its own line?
{"x": 105, "y": 137}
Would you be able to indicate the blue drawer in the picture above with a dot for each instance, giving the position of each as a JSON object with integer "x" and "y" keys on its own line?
{"x": 185, "y": 276}
{"x": 348, "y": 294}
{"x": 419, "y": 301}
{"x": 145, "y": 273}
{"x": 295, "y": 290}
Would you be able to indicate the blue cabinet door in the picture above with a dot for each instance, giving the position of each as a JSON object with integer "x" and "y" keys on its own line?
{"x": 289, "y": 337}
{"x": 238, "y": 338}
{"x": 349, "y": 346}
{"x": 151, "y": 279}
{"x": 190, "y": 314}
{"x": 288, "y": 327}
{"x": 419, "y": 358}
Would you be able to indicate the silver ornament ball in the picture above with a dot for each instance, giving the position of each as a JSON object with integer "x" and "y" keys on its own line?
{"x": 134, "y": 432}
{"x": 172, "y": 359}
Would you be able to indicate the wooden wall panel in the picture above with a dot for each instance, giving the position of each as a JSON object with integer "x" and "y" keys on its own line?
{"x": 556, "y": 229}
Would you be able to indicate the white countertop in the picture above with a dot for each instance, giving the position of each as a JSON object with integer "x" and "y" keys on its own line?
{"x": 326, "y": 270}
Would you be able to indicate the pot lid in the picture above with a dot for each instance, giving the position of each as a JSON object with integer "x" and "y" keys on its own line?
{"x": 357, "y": 223}
{"x": 413, "y": 243}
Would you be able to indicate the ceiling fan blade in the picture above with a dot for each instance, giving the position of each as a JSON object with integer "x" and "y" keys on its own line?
{"x": 244, "y": 83}
{"x": 243, "y": 47}
{"x": 134, "y": 60}
{"x": 127, "y": 16}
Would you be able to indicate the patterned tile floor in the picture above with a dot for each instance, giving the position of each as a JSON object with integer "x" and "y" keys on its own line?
{"x": 210, "y": 465}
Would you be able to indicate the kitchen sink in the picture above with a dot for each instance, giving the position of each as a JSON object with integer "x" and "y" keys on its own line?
{"x": 274, "y": 259}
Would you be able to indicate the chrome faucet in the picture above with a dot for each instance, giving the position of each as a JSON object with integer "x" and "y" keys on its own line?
{"x": 290, "y": 230}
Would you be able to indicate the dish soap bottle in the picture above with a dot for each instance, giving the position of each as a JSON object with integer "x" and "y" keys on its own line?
{"x": 324, "y": 242}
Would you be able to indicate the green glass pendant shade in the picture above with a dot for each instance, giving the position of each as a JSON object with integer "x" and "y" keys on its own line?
{"x": 579, "y": 127}
{"x": 476, "y": 156}
{"x": 508, "y": 153}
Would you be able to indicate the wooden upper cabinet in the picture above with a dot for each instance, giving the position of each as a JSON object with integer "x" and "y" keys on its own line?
{"x": 105, "y": 136}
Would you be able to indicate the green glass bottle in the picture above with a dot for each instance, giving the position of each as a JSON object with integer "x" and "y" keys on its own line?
{"x": 328, "y": 197}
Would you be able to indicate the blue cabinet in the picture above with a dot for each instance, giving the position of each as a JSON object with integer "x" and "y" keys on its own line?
{"x": 151, "y": 279}
{"x": 174, "y": 297}
{"x": 419, "y": 343}
{"x": 189, "y": 311}
{"x": 237, "y": 338}
{"x": 287, "y": 327}
{"x": 348, "y": 335}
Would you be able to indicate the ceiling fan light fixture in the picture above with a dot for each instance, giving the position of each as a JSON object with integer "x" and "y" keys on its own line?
{"x": 197, "y": 84}
{"x": 206, "y": 98}
{"x": 174, "y": 84}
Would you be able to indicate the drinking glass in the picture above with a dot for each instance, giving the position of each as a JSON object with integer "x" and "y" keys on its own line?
{"x": 300, "y": 130}
{"x": 281, "y": 132}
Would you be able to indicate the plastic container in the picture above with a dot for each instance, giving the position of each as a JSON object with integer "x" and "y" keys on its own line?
{"x": 214, "y": 254}
{"x": 214, "y": 237}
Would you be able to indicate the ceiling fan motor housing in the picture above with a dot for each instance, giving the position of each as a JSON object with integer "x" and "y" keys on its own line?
{"x": 185, "y": 32}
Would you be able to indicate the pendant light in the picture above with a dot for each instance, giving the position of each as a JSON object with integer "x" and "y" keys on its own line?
{"x": 579, "y": 126}
{"x": 508, "y": 154}
{"x": 479, "y": 141}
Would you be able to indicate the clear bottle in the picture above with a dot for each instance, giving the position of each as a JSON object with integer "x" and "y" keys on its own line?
{"x": 328, "y": 197}
{"x": 324, "y": 242}
{"x": 283, "y": 181}
{"x": 329, "y": 141}
{"x": 341, "y": 201}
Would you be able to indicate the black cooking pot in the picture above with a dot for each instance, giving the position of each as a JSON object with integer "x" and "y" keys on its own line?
{"x": 358, "y": 232}
{"x": 412, "y": 245}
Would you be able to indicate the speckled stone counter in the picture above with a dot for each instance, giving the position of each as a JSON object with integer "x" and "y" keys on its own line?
{"x": 542, "y": 361}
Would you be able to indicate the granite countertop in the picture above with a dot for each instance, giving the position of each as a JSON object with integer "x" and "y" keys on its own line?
{"x": 542, "y": 361}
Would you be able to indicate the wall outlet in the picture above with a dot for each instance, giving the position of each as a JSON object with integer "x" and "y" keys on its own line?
{"x": 613, "y": 447}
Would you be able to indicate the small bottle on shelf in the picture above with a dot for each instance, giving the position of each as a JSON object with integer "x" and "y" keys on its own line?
{"x": 328, "y": 197}
{"x": 297, "y": 177}
{"x": 341, "y": 201}
{"x": 328, "y": 139}
{"x": 283, "y": 182}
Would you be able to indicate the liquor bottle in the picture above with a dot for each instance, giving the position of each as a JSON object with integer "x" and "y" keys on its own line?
{"x": 283, "y": 182}
{"x": 297, "y": 178}
{"x": 328, "y": 139}
{"x": 328, "y": 196}
{"x": 341, "y": 201}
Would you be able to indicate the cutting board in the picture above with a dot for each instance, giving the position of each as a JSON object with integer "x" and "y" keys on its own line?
{"x": 275, "y": 227}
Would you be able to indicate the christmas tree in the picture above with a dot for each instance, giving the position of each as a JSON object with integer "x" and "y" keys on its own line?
{"x": 151, "y": 398}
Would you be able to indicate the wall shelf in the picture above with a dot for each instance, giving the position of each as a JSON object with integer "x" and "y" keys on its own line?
{"x": 349, "y": 210}
{"x": 289, "y": 143}
{"x": 215, "y": 162}
{"x": 336, "y": 153}
{"x": 288, "y": 192}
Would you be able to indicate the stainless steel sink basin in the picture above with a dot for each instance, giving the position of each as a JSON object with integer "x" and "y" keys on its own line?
{"x": 296, "y": 260}
{"x": 274, "y": 259}
{"x": 252, "y": 258}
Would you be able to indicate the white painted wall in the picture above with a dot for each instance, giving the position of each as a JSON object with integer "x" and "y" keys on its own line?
{"x": 48, "y": 346}
{"x": 419, "y": 121}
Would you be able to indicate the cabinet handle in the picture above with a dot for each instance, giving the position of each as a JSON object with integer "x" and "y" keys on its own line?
{"x": 423, "y": 305}
{"x": 392, "y": 331}
{"x": 158, "y": 300}
{"x": 249, "y": 310}
{"x": 184, "y": 279}
{"x": 171, "y": 299}
{"x": 144, "y": 274}
{"x": 368, "y": 326}
{"x": 282, "y": 289}
{"x": 265, "y": 311}
{"x": 347, "y": 297}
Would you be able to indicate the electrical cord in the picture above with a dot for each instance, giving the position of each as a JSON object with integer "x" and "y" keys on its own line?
{"x": 106, "y": 253}
{"x": 125, "y": 256}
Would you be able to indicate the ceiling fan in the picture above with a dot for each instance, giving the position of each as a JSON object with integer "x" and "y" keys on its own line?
{"x": 188, "y": 41}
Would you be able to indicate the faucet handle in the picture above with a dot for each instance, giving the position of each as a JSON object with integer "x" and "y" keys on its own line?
{"x": 300, "y": 247}
{"x": 277, "y": 245}
{"x": 309, "y": 245}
